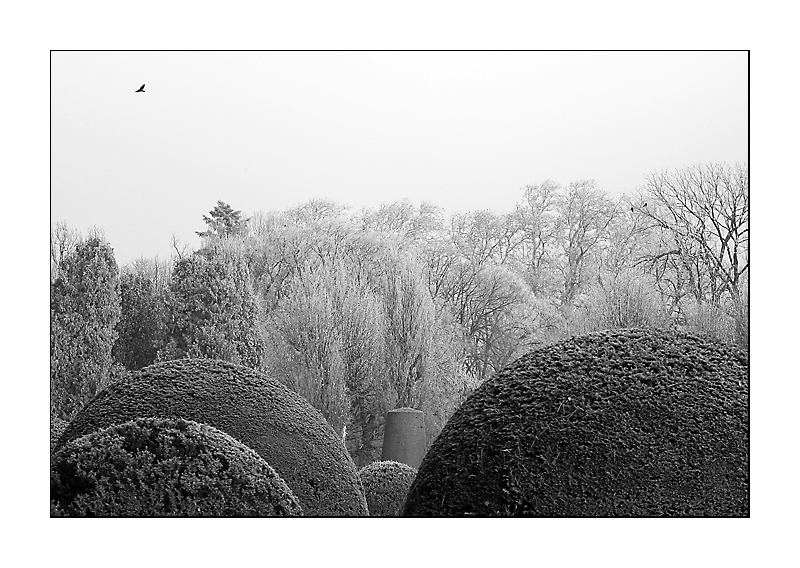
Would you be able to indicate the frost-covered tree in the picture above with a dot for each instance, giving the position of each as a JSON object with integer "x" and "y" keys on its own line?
{"x": 84, "y": 311}
{"x": 142, "y": 322}
{"x": 585, "y": 218}
{"x": 223, "y": 221}
{"x": 701, "y": 215}
{"x": 327, "y": 341}
{"x": 212, "y": 311}
{"x": 625, "y": 300}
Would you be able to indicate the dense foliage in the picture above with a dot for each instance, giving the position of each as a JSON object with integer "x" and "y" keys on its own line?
{"x": 141, "y": 326}
{"x": 260, "y": 412}
{"x": 386, "y": 484}
{"x": 152, "y": 467}
{"x": 57, "y": 427}
{"x": 211, "y": 311}
{"x": 617, "y": 423}
{"x": 223, "y": 221}
{"x": 84, "y": 311}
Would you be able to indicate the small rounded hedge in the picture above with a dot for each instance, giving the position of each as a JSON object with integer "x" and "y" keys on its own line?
{"x": 618, "y": 423}
{"x": 165, "y": 468}
{"x": 260, "y": 412}
{"x": 386, "y": 485}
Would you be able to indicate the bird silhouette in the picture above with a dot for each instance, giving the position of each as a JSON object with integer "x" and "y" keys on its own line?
{"x": 645, "y": 203}
{"x": 140, "y": 89}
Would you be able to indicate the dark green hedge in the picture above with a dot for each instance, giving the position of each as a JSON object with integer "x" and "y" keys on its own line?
{"x": 260, "y": 412}
{"x": 618, "y": 423}
{"x": 386, "y": 485}
{"x": 154, "y": 467}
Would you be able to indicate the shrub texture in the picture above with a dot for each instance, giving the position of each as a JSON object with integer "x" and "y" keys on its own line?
{"x": 84, "y": 311}
{"x": 57, "y": 427}
{"x": 212, "y": 311}
{"x": 386, "y": 485}
{"x": 166, "y": 468}
{"x": 617, "y": 423}
{"x": 260, "y": 412}
{"x": 142, "y": 323}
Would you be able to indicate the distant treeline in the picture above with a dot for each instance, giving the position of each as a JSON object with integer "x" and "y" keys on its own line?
{"x": 364, "y": 311}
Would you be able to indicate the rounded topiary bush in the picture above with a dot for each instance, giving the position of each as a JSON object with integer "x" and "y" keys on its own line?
{"x": 277, "y": 423}
{"x": 386, "y": 485}
{"x": 618, "y": 423}
{"x": 168, "y": 468}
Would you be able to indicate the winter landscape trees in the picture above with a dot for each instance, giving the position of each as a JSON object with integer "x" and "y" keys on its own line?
{"x": 362, "y": 311}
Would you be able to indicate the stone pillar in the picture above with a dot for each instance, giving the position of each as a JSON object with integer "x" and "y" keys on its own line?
{"x": 404, "y": 436}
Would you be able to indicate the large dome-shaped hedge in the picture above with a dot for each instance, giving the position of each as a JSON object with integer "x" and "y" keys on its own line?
{"x": 386, "y": 485}
{"x": 260, "y": 412}
{"x": 618, "y": 423}
{"x": 155, "y": 467}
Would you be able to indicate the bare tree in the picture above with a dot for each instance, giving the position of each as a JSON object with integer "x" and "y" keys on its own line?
{"x": 585, "y": 215}
{"x": 702, "y": 215}
{"x": 403, "y": 218}
{"x": 485, "y": 237}
{"x": 486, "y": 302}
{"x": 535, "y": 220}
{"x": 63, "y": 240}
{"x": 181, "y": 249}
{"x": 627, "y": 240}
{"x": 316, "y": 210}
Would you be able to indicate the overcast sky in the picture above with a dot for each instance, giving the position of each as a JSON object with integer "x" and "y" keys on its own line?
{"x": 465, "y": 130}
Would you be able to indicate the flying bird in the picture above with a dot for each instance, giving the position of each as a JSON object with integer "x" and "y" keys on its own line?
{"x": 140, "y": 89}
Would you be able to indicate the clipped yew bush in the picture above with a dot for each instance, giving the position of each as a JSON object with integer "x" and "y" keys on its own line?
{"x": 386, "y": 485}
{"x": 258, "y": 411}
{"x": 618, "y": 423}
{"x": 166, "y": 468}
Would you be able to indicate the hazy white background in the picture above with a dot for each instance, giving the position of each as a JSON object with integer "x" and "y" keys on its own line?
{"x": 466, "y": 130}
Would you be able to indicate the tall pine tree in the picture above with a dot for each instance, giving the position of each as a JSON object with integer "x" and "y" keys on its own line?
{"x": 223, "y": 221}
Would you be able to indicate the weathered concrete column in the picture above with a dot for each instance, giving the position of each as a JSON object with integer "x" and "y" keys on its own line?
{"x": 404, "y": 436}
